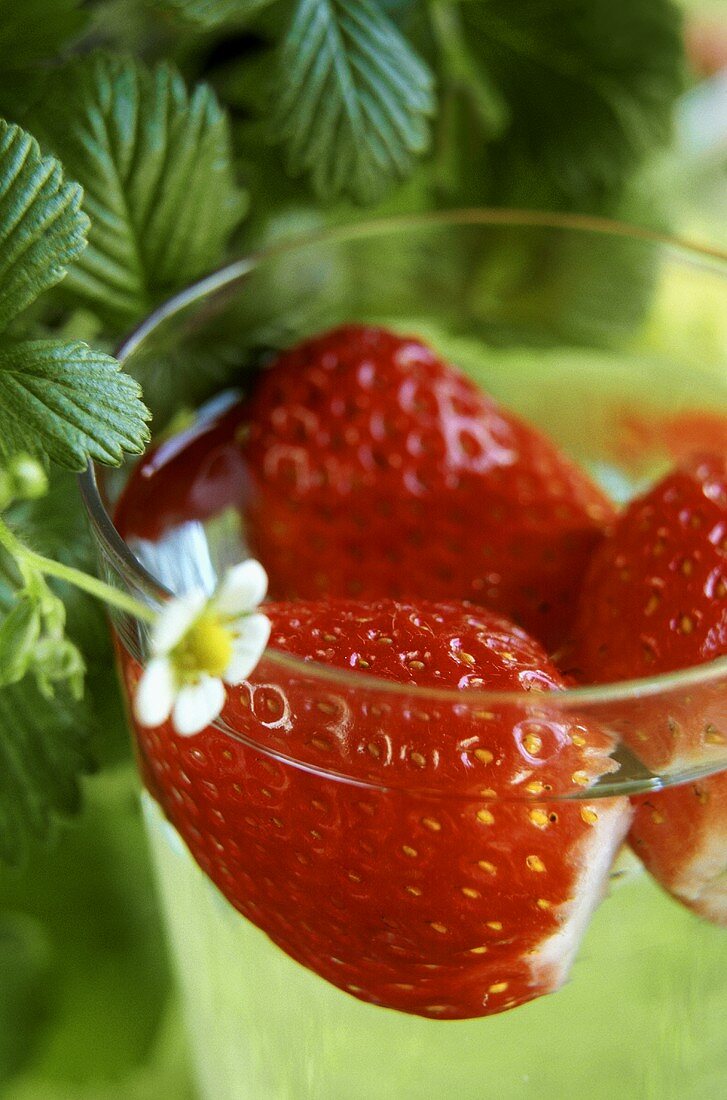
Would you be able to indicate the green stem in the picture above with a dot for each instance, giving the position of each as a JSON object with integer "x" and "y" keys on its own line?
{"x": 464, "y": 73}
{"x": 114, "y": 597}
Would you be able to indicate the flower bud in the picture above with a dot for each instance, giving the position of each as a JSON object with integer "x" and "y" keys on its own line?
{"x": 29, "y": 479}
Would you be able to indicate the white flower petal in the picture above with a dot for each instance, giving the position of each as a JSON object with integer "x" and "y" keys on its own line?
{"x": 243, "y": 588}
{"x": 155, "y": 693}
{"x": 247, "y": 647}
{"x": 174, "y": 620}
{"x": 197, "y": 705}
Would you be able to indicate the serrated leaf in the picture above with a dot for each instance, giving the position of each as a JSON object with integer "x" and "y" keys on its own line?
{"x": 31, "y": 30}
{"x": 42, "y": 755}
{"x": 589, "y": 90}
{"x": 352, "y": 99}
{"x": 209, "y": 14}
{"x": 42, "y": 228}
{"x": 68, "y": 402}
{"x": 154, "y": 161}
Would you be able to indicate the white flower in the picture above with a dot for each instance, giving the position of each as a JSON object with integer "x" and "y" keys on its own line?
{"x": 199, "y": 644}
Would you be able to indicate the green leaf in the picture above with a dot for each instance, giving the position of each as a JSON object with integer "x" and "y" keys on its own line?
{"x": 209, "y": 14}
{"x": 589, "y": 90}
{"x": 42, "y": 228}
{"x": 352, "y": 99}
{"x": 464, "y": 73}
{"x": 154, "y": 161}
{"x": 42, "y": 754}
{"x": 31, "y": 30}
{"x": 68, "y": 402}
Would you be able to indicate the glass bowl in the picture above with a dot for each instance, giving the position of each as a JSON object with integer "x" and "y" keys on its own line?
{"x": 295, "y": 870}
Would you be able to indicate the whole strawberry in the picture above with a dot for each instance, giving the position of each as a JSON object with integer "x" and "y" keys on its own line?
{"x": 379, "y": 470}
{"x": 655, "y": 600}
{"x": 405, "y": 844}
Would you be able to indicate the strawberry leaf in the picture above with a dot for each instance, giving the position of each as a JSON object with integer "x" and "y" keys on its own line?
{"x": 43, "y": 750}
{"x": 68, "y": 402}
{"x": 154, "y": 161}
{"x": 588, "y": 89}
{"x": 208, "y": 14}
{"x": 42, "y": 228}
{"x": 352, "y": 99}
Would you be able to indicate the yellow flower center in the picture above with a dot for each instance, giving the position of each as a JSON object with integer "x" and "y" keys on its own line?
{"x": 206, "y": 647}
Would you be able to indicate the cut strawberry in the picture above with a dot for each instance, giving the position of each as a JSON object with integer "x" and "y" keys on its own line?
{"x": 681, "y": 836}
{"x": 655, "y": 600}
{"x": 380, "y": 470}
{"x": 406, "y": 844}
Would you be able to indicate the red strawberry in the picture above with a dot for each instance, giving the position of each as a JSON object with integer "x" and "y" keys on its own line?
{"x": 655, "y": 600}
{"x": 681, "y": 835}
{"x": 380, "y": 470}
{"x": 437, "y": 875}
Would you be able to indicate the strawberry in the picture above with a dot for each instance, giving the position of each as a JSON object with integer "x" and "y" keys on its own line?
{"x": 406, "y": 844}
{"x": 380, "y": 470}
{"x": 654, "y": 600}
{"x": 680, "y": 834}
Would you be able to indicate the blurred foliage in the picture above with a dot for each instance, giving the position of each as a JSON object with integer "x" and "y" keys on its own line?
{"x": 565, "y": 98}
{"x": 85, "y": 983}
{"x": 399, "y": 105}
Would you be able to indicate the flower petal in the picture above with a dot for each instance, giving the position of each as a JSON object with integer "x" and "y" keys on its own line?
{"x": 242, "y": 589}
{"x": 174, "y": 620}
{"x": 248, "y": 647}
{"x": 197, "y": 705}
{"x": 154, "y": 696}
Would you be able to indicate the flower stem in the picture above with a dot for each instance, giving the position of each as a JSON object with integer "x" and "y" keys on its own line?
{"x": 114, "y": 597}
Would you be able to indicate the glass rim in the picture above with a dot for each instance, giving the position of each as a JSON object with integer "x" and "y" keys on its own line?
{"x": 125, "y": 562}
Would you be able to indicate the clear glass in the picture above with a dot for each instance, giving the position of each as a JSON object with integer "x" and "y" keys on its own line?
{"x": 612, "y": 341}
